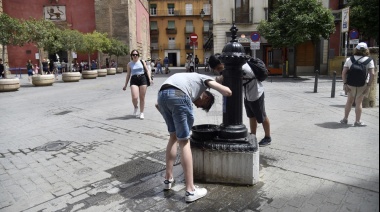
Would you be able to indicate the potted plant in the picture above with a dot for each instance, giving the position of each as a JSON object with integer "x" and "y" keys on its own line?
{"x": 118, "y": 49}
{"x": 43, "y": 34}
{"x": 10, "y": 34}
{"x": 72, "y": 40}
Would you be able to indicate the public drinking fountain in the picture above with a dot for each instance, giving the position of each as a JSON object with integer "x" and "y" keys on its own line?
{"x": 227, "y": 153}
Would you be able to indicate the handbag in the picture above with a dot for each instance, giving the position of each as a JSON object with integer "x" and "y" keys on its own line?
{"x": 146, "y": 73}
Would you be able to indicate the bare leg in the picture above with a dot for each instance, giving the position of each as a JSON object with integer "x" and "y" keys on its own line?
{"x": 187, "y": 164}
{"x": 142, "y": 97}
{"x": 348, "y": 107}
{"x": 135, "y": 95}
{"x": 266, "y": 126}
{"x": 359, "y": 107}
{"x": 253, "y": 125}
{"x": 171, "y": 154}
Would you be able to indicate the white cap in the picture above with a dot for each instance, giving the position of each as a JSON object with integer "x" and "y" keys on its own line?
{"x": 362, "y": 45}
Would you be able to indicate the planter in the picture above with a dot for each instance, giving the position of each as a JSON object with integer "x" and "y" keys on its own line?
{"x": 102, "y": 72}
{"x": 71, "y": 76}
{"x": 119, "y": 70}
{"x": 111, "y": 71}
{"x": 12, "y": 84}
{"x": 90, "y": 74}
{"x": 43, "y": 80}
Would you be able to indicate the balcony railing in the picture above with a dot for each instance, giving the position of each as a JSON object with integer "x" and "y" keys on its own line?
{"x": 242, "y": 17}
{"x": 171, "y": 30}
{"x": 154, "y": 31}
{"x": 174, "y": 12}
{"x": 171, "y": 46}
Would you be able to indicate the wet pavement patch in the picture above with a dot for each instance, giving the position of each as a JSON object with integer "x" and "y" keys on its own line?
{"x": 139, "y": 168}
{"x": 53, "y": 146}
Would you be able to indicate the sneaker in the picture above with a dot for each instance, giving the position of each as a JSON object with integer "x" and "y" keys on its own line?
{"x": 265, "y": 141}
{"x": 168, "y": 184}
{"x": 135, "y": 111}
{"x": 344, "y": 121}
{"x": 142, "y": 116}
{"x": 359, "y": 124}
{"x": 195, "y": 195}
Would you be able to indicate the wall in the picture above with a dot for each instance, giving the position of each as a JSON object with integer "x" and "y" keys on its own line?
{"x": 79, "y": 16}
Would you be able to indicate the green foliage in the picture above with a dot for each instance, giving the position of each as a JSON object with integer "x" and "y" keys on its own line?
{"x": 72, "y": 39}
{"x": 297, "y": 21}
{"x": 42, "y": 33}
{"x": 10, "y": 31}
{"x": 117, "y": 48}
{"x": 364, "y": 17}
{"x": 93, "y": 42}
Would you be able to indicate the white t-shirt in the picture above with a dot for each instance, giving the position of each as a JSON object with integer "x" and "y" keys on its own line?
{"x": 254, "y": 89}
{"x": 371, "y": 64}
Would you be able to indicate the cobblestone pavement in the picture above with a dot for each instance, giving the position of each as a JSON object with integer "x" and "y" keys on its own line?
{"x": 76, "y": 147}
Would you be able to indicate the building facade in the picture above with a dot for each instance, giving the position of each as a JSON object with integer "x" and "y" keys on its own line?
{"x": 171, "y": 25}
{"x": 125, "y": 20}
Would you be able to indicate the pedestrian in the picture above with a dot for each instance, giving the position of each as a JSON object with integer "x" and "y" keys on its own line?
{"x": 174, "y": 102}
{"x": 159, "y": 66}
{"x": 152, "y": 65}
{"x": 191, "y": 64}
{"x": 51, "y": 66}
{"x": 2, "y": 70}
{"x": 149, "y": 65}
{"x": 253, "y": 99}
{"x": 187, "y": 64}
{"x": 45, "y": 66}
{"x": 196, "y": 60}
{"x": 356, "y": 91}
{"x": 29, "y": 68}
{"x": 93, "y": 65}
{"x": 207, "y": 68}
{"x": 35, "y": 69}
{"x": 166, "y": 64}
{"x": 64, "y": 67}
{"x": 138, "y": 84}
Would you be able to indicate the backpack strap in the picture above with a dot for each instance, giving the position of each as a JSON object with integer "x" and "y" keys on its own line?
{"x": 367, "y": 61}
{"x": 249, "y": 80}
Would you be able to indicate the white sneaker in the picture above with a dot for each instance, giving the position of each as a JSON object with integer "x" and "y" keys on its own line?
{"x": 135, "y": 111}
{"x": 168, "y": 184}
{"x": 196, "y": 194}
{"x": 142, "y": 116}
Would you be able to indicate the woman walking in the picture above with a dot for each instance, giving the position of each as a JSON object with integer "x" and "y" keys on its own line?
{"x": 138, "y": 82}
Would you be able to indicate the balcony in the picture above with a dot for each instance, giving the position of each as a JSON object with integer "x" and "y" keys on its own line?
{"x": 154, "y": 46}
{"x": 171, "y": 31}
{"x": 174, "y": 12}
{"x": 154, "y": 31}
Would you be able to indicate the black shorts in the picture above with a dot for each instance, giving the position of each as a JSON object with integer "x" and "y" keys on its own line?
{"x": 256, "y": 109}
{"x": 139, "y": 80}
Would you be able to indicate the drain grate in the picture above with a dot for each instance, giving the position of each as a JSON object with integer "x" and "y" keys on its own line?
{"x": 53, "y": 146}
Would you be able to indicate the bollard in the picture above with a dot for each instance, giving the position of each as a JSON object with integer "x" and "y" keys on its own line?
{"x": 333, "y": 85}
{"x": 316, "y": 81}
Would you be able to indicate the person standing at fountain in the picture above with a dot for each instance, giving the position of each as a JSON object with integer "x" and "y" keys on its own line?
{"x": 253, "y": 99}
{"x": 175, "y": 99}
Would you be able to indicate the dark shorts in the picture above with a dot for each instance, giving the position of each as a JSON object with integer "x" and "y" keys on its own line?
{"x": 139, "y": 80}
{"x": 256, "y": 109}
{"x": 30, "y": 72}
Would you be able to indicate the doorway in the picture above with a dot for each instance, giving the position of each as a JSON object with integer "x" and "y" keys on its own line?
{"x": 172, "y": 59}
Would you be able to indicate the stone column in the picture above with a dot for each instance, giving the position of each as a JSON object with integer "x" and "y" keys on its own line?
{"x": 370, "y": 102}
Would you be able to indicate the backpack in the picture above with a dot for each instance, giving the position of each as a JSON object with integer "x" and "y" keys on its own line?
{"x": 259, "y": 69}
{"x": 357, "y": 74}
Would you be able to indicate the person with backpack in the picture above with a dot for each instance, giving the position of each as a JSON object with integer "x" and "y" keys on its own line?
{"x": 357, "y": 75}
{"x": 254, "y": 72}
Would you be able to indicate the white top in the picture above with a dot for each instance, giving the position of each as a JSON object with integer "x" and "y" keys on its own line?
{"x": 254, "y": 89}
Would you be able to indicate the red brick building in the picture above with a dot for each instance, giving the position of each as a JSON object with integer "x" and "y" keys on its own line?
{"x": 73, "y": 14}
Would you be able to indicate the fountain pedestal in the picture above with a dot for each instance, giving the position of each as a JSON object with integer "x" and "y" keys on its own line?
{"x": 227, "y": 153}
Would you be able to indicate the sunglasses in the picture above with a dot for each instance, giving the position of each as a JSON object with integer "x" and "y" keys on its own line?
{"x": 134, "y": 55}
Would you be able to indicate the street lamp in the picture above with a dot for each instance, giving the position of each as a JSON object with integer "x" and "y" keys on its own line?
{"x": 202, "y": 14}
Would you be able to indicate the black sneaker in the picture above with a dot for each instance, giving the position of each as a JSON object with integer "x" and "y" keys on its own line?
{"x": 265, "y": 141}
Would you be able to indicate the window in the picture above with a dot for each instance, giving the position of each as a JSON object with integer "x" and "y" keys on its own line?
{"x": 207, "y": 9}
{"x": 171, "y": 43}
{"x": 189, "y": 27}
{"x": 171, "y": 24}
{"x": 153, "y": 25}
{"x": 242, "y": 14}
{"x": 153, "y": 9}
{"x": 206, "y": 26}
{"x": 189, "y": 9}
{"x": 170, "y": 9}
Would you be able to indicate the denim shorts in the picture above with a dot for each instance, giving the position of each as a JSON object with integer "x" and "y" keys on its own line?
{"x": 177, "y": 110}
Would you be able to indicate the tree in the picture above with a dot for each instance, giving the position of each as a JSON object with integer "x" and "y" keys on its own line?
{"x": 72, "y": 40}
{"x": 296, "y": 21}
{"x": 118, "y": 49}
{"x": 364, "y": 17}
{"x": 10, "y": 33}
{"x": 43, "y": 34}
{"x": 93, "y": 42}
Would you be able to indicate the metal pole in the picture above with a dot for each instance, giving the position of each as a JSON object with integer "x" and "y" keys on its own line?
{"x": 20, "y": 72}
{"x": 333, "y": 85}
{"x": 316, "y": 81}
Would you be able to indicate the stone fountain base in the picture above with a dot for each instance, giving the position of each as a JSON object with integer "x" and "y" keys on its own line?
{"x": 216, "y": 161}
